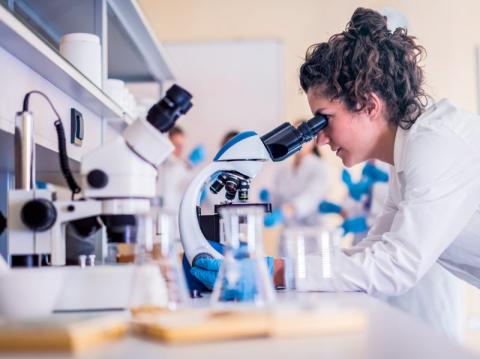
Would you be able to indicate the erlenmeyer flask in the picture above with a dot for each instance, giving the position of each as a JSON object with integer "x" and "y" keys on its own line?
{"x": 243, "y": 275}
{"x": 159, "y": 282}
{"x": 166, "y": 255}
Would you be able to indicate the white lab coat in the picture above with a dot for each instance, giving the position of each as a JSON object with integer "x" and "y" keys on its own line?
{"x": 302, "y": 187}
{"x": 172, "y": 182}
{"x": 432, "y": 212}
{"x": 437, "y": 299}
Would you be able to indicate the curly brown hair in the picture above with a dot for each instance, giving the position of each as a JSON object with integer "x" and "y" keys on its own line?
{"x": 368, "y": 58}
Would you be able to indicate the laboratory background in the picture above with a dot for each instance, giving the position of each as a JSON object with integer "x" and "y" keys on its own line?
{"x": 163, "y": 191}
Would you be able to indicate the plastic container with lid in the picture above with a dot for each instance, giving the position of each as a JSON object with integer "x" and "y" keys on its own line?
{"x": 83, "y": 50}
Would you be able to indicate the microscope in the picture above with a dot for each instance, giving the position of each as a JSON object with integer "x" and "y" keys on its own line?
{"x": 118, "y": 183}
{"x": 232, "y": 169}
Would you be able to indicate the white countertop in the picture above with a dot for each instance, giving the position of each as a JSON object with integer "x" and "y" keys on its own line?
{"x": 389, "y": 334}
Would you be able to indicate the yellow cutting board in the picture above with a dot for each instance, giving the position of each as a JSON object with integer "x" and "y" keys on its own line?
{"x": 204, "y": 325}
{"x": 61, "y": 333}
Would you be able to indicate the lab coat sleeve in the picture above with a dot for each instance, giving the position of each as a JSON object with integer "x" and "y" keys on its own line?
{"x": 382, "y": 223}
{"x": 307, "y": 202}
{"x": 441, "y": 192}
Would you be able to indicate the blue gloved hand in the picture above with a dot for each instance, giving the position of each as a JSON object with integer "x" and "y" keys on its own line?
{"x": 274, "y": 218}
{"x": 374, "y": 173}
{"x": 205, "y": 269}
{"x": 40, "y": 185}
{"x": 356, "y": 190}
{"x": 346, "y": 177}
{"x": 194, "y": 285}
{"x": 355, "y": 225}
{"x": 197, "y": 155}
{"x": 264, "y": 195}
{"x": 329, "y": 207}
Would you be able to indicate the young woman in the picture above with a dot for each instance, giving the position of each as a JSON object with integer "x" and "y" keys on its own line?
{"x": 368, "y": 82}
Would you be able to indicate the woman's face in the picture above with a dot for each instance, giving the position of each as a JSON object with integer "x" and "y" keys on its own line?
{"x": 352, "y": 135}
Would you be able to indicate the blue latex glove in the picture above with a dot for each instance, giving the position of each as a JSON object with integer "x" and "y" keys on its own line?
{"x": 374, "y": 173}
{"x": 357, "y": 190}
{"x": 346, "y": 178}
{"x": 264, "y": 195}
{"x": 193, "y": 283}
{"x": 274, "y": 218}
{"x": 206, "y": 270}
{"x": 40, "y": 185}
{"x": 329, "y": 207}
{"x": 355, "y": 225}
{"x": 197, "y": 155}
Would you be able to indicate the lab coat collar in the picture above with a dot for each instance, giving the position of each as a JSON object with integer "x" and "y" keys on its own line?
{"x": 401, "y": 134}
{"x": 399, "y": 149}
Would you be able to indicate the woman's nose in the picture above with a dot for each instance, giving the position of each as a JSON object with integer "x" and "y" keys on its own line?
{"x": 323, "y": 139}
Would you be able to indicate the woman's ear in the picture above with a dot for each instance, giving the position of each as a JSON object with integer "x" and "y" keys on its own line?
{"x": 374, "y": 106}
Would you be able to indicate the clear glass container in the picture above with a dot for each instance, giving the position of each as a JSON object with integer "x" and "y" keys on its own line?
{"x": 311, "y": 256}
{"x": 244, "y": 275}
{"x": 159, "y": 282}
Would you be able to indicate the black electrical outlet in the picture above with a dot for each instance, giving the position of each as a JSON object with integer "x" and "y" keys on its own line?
{"x": 76, "y": 127}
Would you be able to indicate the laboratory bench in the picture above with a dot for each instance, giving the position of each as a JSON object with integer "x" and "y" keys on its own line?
{"x": 388, "y": 333}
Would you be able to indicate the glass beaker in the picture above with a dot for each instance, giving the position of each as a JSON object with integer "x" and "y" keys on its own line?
{"x": 243, "y": 275}
{"x": 311, "y": 256}
{"x": 159, "y": 282}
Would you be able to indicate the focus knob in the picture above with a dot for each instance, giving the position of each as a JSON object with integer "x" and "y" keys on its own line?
{"x": 39, "y": 214}
{"x": 97, "y": 179}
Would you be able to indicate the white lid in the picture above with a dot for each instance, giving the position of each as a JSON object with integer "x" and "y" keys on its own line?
{"x": 80, "y": 36}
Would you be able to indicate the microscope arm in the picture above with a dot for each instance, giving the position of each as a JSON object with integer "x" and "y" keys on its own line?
{"x": 194, "y": 242}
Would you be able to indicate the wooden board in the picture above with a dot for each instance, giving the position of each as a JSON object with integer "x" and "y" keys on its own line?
{"x": 61, "y": 333}
{"x": 204, "y": 325}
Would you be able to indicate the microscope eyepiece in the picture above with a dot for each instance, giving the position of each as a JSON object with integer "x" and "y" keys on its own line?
{"x": 285, "y": 140}
{"x": 312, "y": 127}
{"x": 164, "y": 113}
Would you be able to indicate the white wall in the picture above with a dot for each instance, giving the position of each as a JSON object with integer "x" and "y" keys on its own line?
{"x": 237, "y": 85}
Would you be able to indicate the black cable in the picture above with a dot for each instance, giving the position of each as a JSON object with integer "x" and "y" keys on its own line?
{"x": 62, "y": 144}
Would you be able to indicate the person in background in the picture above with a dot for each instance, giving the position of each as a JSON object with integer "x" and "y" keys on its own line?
{"x": 175, "y": 173}
{"x": 296, "y": 189}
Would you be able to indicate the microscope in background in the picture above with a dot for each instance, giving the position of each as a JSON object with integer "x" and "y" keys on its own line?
{"x": 118, "y": 181}
{"x": 232, "y": 169}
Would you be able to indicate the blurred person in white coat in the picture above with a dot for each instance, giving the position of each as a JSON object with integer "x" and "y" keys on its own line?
{"x": 175, "y": 174}
{"x": 297, "y": 188}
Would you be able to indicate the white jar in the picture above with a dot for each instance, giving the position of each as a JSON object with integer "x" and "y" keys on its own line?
{"x": 116, "y": 90}
{"x": 83, "y": 50}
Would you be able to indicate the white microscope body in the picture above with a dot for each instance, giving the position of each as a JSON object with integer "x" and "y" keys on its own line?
{"x": 245, "y": 154}
{"x": 241, "y": 157}
{"x": 118, "y": 178}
